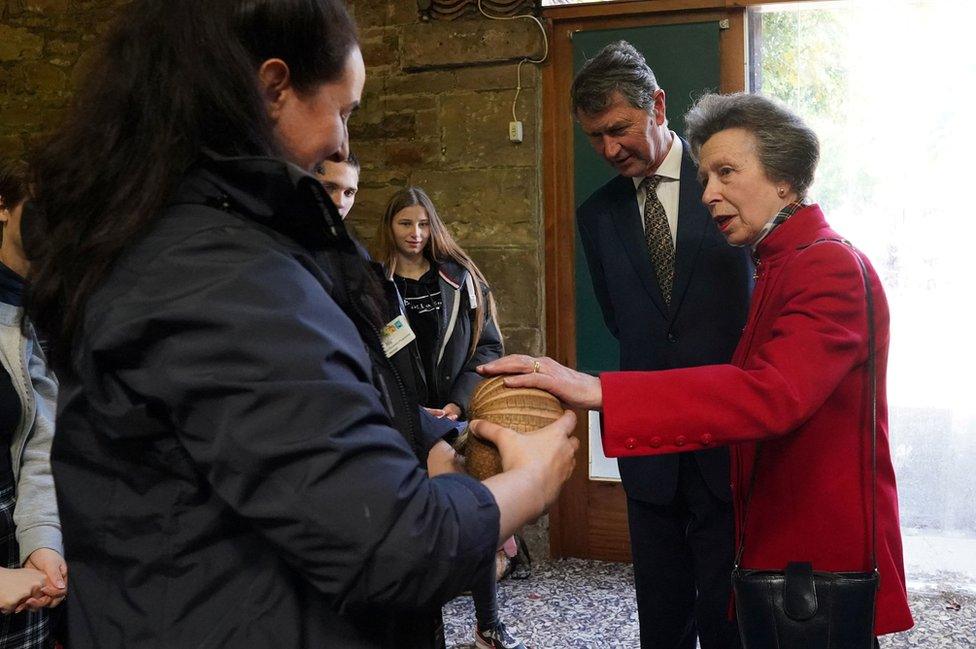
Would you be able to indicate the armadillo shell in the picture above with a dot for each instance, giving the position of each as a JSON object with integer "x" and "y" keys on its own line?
{"x": 524, "y": 410}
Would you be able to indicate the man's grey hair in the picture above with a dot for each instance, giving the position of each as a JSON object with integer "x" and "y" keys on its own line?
{"x": 788, "y": 149}
{"x": 619, "y": 67}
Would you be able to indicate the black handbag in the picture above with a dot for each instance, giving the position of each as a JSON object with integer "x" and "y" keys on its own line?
{"x": 799, "y": 608}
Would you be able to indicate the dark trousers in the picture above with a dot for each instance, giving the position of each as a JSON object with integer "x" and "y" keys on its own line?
{"x": 484, "y": 592}
{"x": 682, "y": 566}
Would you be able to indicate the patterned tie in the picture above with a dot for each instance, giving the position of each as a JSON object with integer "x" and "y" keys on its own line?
{"x": 657, "y": 234}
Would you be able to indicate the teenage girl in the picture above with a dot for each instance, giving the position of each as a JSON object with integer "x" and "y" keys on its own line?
{"x": 450, "y": 308}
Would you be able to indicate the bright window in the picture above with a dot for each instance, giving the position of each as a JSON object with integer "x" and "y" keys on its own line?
{"x": 886, "y": 84}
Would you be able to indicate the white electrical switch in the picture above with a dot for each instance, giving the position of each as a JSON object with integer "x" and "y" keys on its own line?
{"x": 515, "y": 131}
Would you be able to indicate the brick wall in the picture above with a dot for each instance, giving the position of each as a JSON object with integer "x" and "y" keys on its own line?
{"x": 41, "y": 42}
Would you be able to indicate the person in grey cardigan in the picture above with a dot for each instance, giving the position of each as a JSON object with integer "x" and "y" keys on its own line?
{"x": 33, "y": 573}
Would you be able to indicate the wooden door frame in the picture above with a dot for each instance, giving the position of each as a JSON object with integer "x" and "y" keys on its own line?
{"x": 589, "y": 520}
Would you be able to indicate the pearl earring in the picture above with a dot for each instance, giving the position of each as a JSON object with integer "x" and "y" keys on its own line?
{"x": 782, "y": 192}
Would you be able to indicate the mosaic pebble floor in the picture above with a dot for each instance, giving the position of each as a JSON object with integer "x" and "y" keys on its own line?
{"x": 577, "y": 604}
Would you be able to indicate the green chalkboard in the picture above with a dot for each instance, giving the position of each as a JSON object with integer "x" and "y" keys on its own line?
{"x": 685, "y": 60}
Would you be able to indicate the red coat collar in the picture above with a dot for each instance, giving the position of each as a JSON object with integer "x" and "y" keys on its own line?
{"x": 801, "y": 229}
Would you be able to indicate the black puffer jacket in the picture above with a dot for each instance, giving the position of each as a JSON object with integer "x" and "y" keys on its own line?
{"x": 226, "y": 465}
{"x": 455, "y": 374}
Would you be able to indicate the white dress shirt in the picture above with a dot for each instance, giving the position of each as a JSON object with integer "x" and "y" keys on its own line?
{"x": 667, "y": 190}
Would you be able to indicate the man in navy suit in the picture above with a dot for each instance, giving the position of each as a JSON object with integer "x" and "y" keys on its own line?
{"x": 675, "y": 295}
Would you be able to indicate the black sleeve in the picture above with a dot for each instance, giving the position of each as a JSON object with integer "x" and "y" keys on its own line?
{"x": 267, "y": 384}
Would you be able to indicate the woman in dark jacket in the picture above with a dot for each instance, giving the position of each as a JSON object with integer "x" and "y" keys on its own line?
{"x": 447, "y": 299}
{"x": 451, "y": 312}
{"x": 227, "y": 469}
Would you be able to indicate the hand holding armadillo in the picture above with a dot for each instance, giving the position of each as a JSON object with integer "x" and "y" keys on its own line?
{"x": 524, "y": 410}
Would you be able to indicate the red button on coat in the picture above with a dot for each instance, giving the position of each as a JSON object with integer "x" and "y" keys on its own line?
{"x": 630, "y": 442}
{"x": 679, "y": 440}
{"x": 656, "y": 442}
{"x": 707, "y": 439}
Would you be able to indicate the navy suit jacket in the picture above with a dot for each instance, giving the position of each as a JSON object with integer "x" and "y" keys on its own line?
{"x": 709, "y": 304}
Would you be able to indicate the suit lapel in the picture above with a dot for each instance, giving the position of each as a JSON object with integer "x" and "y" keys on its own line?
{"x": 627, "y": 224}
{"x": 693, "y": 222}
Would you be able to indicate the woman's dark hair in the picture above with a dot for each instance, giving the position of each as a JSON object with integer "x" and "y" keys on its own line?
{"x": 172, "y": 78}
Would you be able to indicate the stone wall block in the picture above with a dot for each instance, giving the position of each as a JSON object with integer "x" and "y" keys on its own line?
{"x": 419, "y": 82}
{"x": 370, "y": 13}
{"x": 380, "y": 49}
{"x": 491, "y": 77}
{"x": 13, "y": 8}
{"x": 17, "y": 44}
{"x": 536, "y": 537}
{"x": 61, "y": 48}
{"x": 32, "y": 21}
{"x": 428, "y": 123}
{"x": 412, "y": 153}
{"x": 371, "y": 178}
{"x": 445, "y": 44}
{"x": 523, "y": 340}
{"x": 514, "y": 275}
{"x": 393, "y": 125}
{"x": 370, "y": 153}
{"x": 409, "y": 103}
{"x": 486, "y": 207}
{"x": 11, "y": 146}
{"x": 371, "y": 204}
{"x": 47, "y": 6}
{"x": 362, "y": 231}
{"x": 13, "y": 83}
{"x": 44, "y": 79}
{"x": 475, "y": 129}
{"x": 370, "y": 106}
{"x": 404, "y": 12}
{"x": 26, "y": 117}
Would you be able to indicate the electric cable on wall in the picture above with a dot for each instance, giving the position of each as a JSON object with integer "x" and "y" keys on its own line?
{"x": 516, "y": 125}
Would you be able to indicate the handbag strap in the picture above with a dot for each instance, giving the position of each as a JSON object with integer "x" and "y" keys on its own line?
{"x": 872, "y": 370}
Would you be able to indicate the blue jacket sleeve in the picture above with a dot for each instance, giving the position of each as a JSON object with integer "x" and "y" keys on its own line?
{"x": 433, "y": 429}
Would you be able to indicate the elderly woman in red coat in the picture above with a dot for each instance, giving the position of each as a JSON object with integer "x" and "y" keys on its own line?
{"x": 798, "y": 382}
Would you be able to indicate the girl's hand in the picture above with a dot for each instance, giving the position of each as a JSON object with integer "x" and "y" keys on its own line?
{"x": 452, "y": 411}
{"x": 17, "y": 586}
{"x": 55, "y": 569}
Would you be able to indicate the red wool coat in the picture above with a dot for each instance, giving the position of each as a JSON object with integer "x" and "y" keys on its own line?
{"x": 798, "y": 384}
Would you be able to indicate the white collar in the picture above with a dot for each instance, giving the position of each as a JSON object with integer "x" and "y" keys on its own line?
{"x": 671, "y": 165}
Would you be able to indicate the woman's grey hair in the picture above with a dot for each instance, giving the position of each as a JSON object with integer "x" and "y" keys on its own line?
{"x": 619, "y": 67}
{"x": 788, "y": 149}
